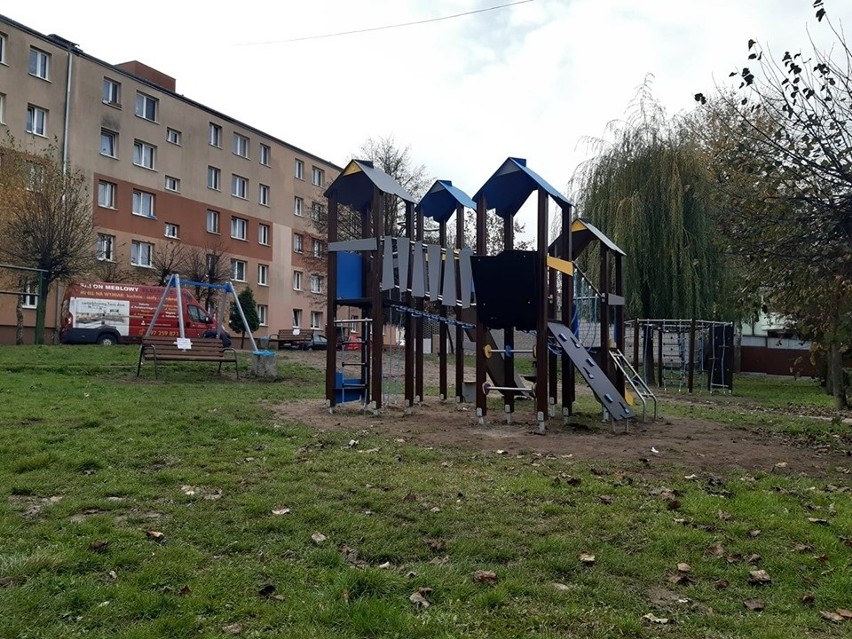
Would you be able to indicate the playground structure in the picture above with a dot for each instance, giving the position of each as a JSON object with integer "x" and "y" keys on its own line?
{"x": 531, "y": 291}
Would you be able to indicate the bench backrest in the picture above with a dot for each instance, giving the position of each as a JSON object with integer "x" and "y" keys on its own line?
{"x": 200, "y": 345}
{"x": 287, "y": 334}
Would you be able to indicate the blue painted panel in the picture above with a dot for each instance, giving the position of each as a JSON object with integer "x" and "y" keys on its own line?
{"x": 350, "y": 276}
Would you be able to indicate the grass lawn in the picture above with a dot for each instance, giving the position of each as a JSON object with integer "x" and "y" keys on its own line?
{"x": 189, "y": 507}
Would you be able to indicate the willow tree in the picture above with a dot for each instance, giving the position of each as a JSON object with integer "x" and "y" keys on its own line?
{"x": 648, "y": 190}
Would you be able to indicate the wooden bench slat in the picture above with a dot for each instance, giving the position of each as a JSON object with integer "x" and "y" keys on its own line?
{"x": 204, "y": 349}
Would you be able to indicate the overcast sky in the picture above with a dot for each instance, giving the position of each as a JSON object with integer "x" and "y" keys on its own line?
{"x": 534, "y": 79}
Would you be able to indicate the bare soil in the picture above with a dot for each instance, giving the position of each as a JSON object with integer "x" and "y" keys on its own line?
{"x": 695, "y": 445}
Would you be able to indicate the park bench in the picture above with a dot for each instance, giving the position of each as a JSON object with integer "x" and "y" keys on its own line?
{"x": 204, "y": 349}
{"x": 288, "y": 337}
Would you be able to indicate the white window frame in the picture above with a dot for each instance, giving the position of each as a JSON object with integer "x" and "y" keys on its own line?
{"x": 297, "y": 280}
{"x": 106, "y": 194}
{"x": 265, "y": 154}
{"x": 137, "y": 254}
{"x": 316, "y": 248}
{"x": 3, "y": 42}
{"x": 240, "y": 145}
{"x": 143, "y": 201}
{"x": 263, "y": 314}
{"x": 298, "y": 206}
{"x": 36, "y": 120}
{"x": 111, "y": 92}
{"x": 214, "y": 135}
{"x": 297, "y": 318}
{"x": 173, "y": 136}
{"x": 316, "y": 320}
{"x": 172, "y": 184}
{"x": 299, "y": 170}
{"x": 263, "y": 195}
{"x": 112, "y": 136}
{"x": 172, "y": 230}
{"x": 263, "y": 275}
{"x": 298, "y": 243}
{"x": 316, "y": 283}
{"x": 214, "y": 178}
{"x": 147, "y": 107}
{"x": 239, "y": 186}
{"x": 263, "y": 234}
{"x": 29, "y": 299}
{"x": 238, "y": 270}
{"x": 2, "y": 108}
{"x": 212, "y": 221}
{"x": 144, "y": 155}
{"x": 239, "y": 228}
{"x": 105, "y": 248}
{"x": 39, "y": 64}
{"x": 317, "y": 176}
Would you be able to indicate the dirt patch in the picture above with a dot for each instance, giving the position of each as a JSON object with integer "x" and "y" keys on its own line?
{"x": 695, "y": 445}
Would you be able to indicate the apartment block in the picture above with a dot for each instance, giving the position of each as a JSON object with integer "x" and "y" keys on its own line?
{"x": 168, "y": 176}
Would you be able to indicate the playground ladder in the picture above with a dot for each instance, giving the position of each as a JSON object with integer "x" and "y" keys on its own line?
{"x": 640, "y": 388}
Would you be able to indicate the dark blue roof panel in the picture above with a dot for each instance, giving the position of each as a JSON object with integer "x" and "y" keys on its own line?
{"x": 441, "y": 201}
{"x": 511, "y": 185}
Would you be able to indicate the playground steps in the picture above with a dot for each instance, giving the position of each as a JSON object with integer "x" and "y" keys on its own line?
{"x": 634, "y": 379}
{"x": 601, "y": 386}
{"x": 494, "y": 364}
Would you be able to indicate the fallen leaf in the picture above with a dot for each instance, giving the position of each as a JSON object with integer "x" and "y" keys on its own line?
{"x": 419, "y": 600}
{"x": 189, "y": 490}
{"x": 281, "y": 511}
{"x": 500, "y": 451}
{"x": 753, "y": 559}
{"x": 184, "y": 591}
{"x": 99, "y": 545}
{"x": 266, "y": 591}
{"x": 156, "y": 535}
{"x": 846, "y": 614}
{"x": 716, "y": 550}
{"x": 815, "y": 520}
{"x": 410, "y": 574}
{"x": 425, "y": 591}
{"x": 753, "y": 604}
{"x": 485, "y": 577}
{"x": 684, "y": 567}
{"x": 803, "y": 547}
{"x": 659, "y": 620}
{"x": 232, "y": 629}
{"x": 807, "y": 598}
{"x": 681, "y": 579}
{"x": 434, "y": 544}
{"x": 759, "y": 577}
{"x": 587, "y": 558}
{"x": 833, "y": 617}
{"x": 655, "y": 451}
{"x": 369, "y": 451}
{"x": 112, "y": 575}
{"x": 605, "y": 499}
{"x": 410, "y": 497}
{"x": 573, "y": 481}
{"x": 692, "y": 476}
{"x": 723, "y": 515}
{"x": 721, "y": 584}
{"x": 434, "y": 509}
{"x": 353, "y": 443}
{"x": 318, "y": 538}
{"x": 754, "y": 533}
{"x": 385, "y": 565}
{"x": 560, "y": 587}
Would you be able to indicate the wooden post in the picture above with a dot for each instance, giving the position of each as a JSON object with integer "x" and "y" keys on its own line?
{"x": 457, "y": 309}
{"x": 541, "y": 394}
{"x": 566, "y": 253}
{"x": 603, "y": 349}
{"x": 481, "y": 400}
{"x": 408, "y": 355}
{"x": 509, "y": 333}
{"x": 377, "y": 307}
{"x": 443, "y": 329}
{"x": 418, "y": 321}
{"x": 331, "y": 304}
{"x": 619, "y": 320}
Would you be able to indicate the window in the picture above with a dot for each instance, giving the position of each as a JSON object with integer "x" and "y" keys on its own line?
{"x": 212, "y": 221}
{"x": 317, "y": 176}
{"x": 265, "y": 152}
{"x": 2, "y": 107}
{"x": 262, "y": 314}
{"x": 239, "y": 186}
{"x": 215, "y": 135}
{"x": 173, "y": 136}
{"x": 111, "y": 92}
{"x": 146, "y": 106}
{"x": 214, "y": 178}
{"x": 143, "y": 204}
{"x": 36, "y": 120}
{"x": 263, "y": 234}
{"x": 297, "y": 243}
{"x": 109, "y": 143}
{"x": 316, "y": 319}
{"x": 262, "y": 275}
{"x": 316, "y": 284}
{"x": 172, "y": 184}
{"x": 144, "y": 154}
{"x": 106, "y": 244}
{"x": 241, "y": 145}
{"x": 316, "y": 248}
{"x": 238, "y": 270}
{"x": 297, "y": 317}
{"x": 298, "y": 206}
{"x": 39, "y": 63}
{"x": 297, "y": 280}
{"x": 29, "y": 299}
{"x": 263, "y": 195}
{"x": 2, "y": 48}
{"x": 106, "y": 195}
{"x": 141, "y": 253}
{"x": 239, "y": 228}
{"x": 317, "y": 211}
{"x": 172, "y": 231}
{"x": 300, "y": 170}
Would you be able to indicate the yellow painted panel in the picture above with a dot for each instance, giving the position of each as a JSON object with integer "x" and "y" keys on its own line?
{"x": 564, "y": 266}
{"x": 351, "y": 169}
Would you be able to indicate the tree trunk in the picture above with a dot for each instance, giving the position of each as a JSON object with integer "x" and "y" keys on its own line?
{"x": 242, "y": 340}
{"x": 19, "y": 320}
{"x": 835, "y": 379}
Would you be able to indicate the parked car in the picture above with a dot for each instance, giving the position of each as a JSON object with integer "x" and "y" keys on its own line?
{"x": 316, "y": 342}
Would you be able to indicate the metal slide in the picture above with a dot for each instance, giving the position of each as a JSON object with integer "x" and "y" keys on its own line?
{"x": 601, "y": 386}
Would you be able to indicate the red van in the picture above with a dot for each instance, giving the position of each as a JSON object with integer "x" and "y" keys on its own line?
{"x": 112, "y": 313}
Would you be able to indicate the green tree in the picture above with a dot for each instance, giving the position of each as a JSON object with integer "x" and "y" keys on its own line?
{"x": 249, "y": 306}
{"x": 780, "y": 142}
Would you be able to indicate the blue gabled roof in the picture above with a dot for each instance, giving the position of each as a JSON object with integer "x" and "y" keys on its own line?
{"x": 354, "y": 185}
{"x": 511, "y": 185}
{"x": 441, "y": 201}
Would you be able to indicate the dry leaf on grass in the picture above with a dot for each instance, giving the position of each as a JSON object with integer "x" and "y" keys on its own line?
{"x": 683, "y": 567}
{"x": 156, "y": 535}
{"x": 753, "y": 604}
{"x": 833, "y": 617}
{"x": 807, "y": 598}
{"x": 419, "y": 600}
{"x": 232, "y": 629}
{"x": 318, "y": 538}
{"x": 485, "y": 577}
{"x": 716, "y": 550}
{"x": 846, "y": 614}
{"x": 587, "y": 558}
{"x": 281, "y": 511}
{"x": 654, "y": 619}
{"x": 759, "y": 577}
{"x": 816, "y": 520}
{"x": 721, "y": 584}
{"x": 99, "y": 545}
{"x": 605, "y": 499}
